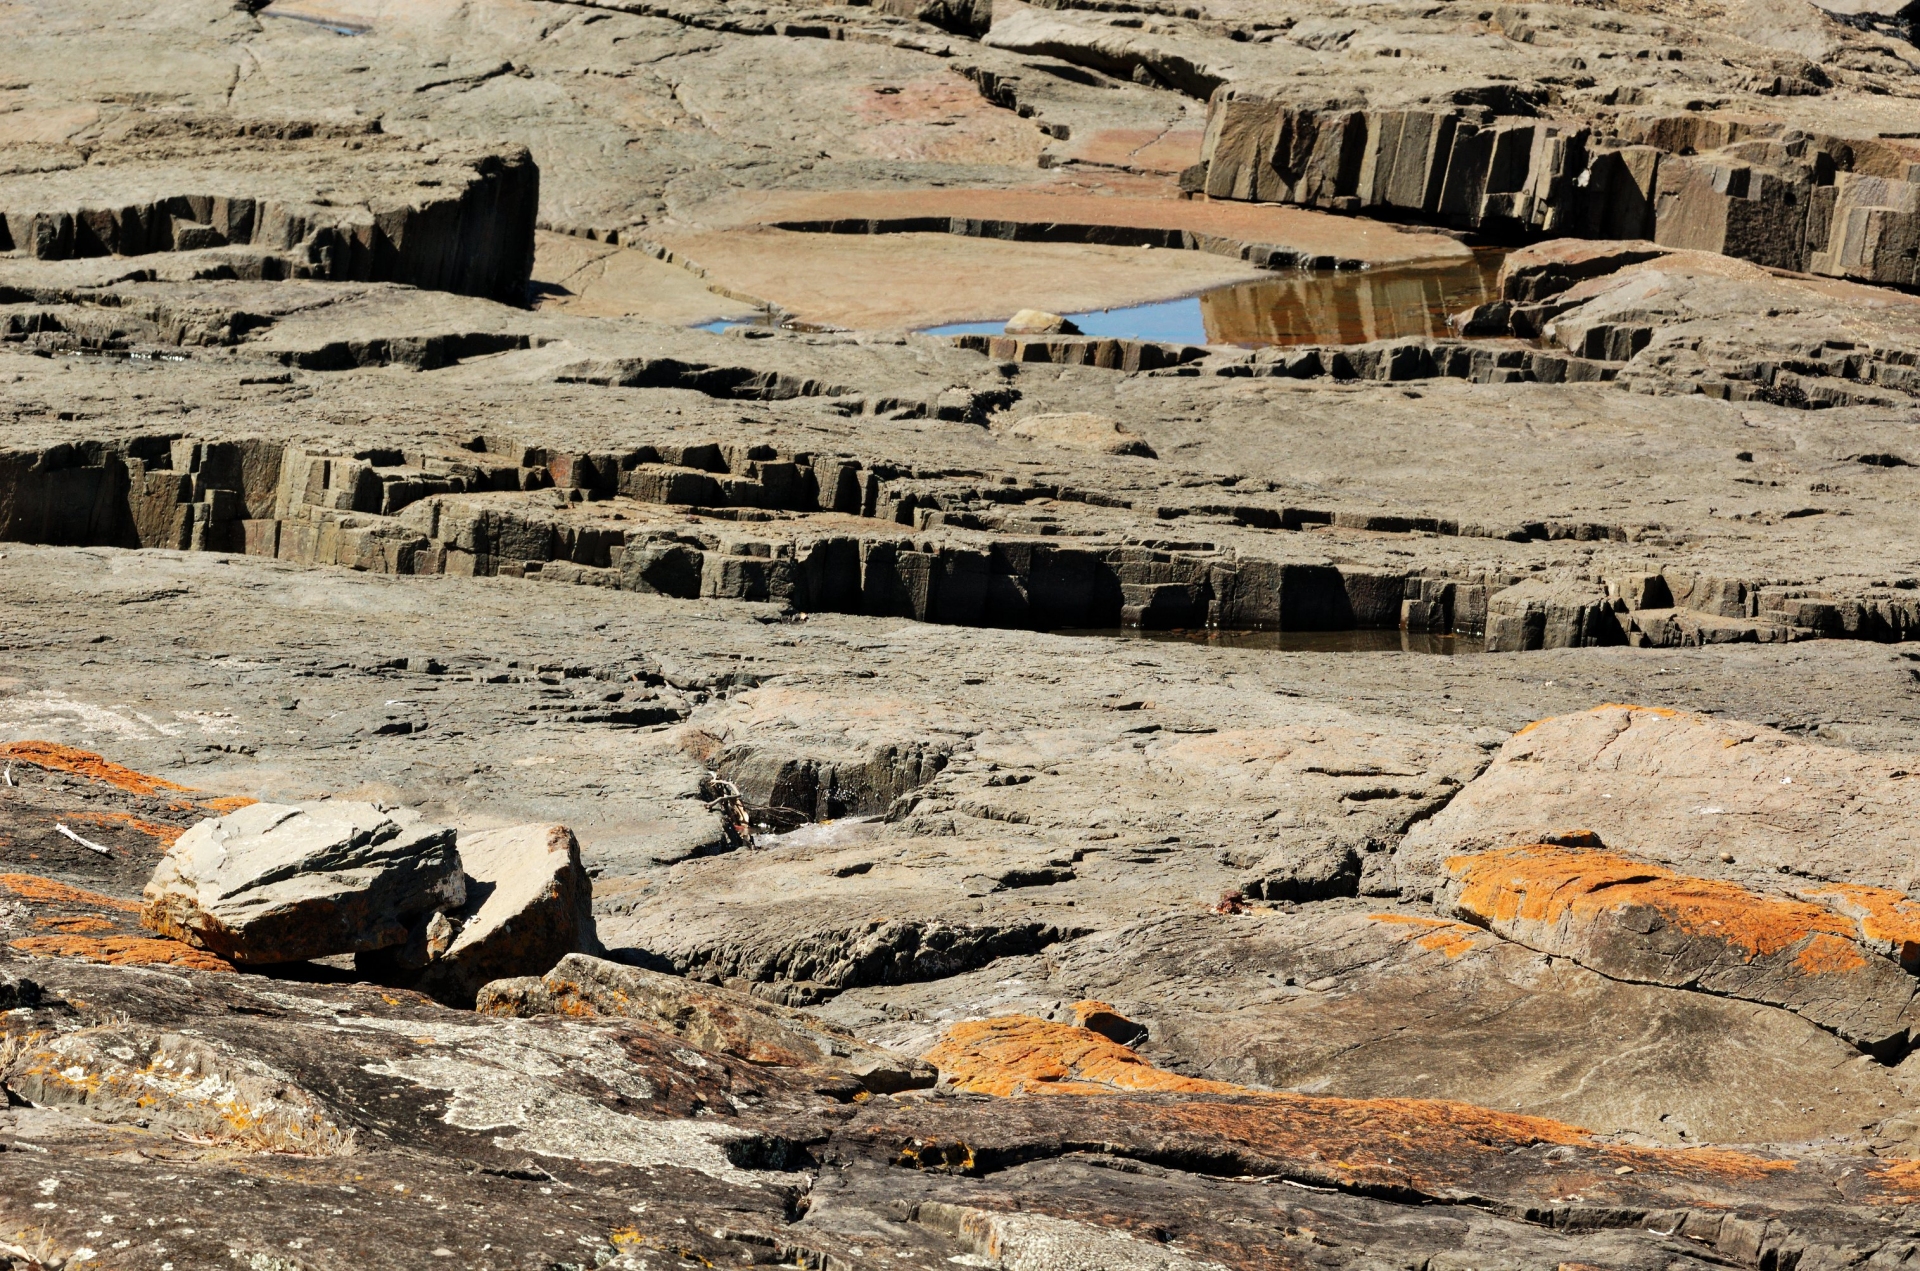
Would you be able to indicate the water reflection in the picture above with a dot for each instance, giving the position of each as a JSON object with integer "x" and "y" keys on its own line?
{"x": 1307, "y": 307}
{"x": 1349, "y": 307}
{"x": 1363, "y": 641}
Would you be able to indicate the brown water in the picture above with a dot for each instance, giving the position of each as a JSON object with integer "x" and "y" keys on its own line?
{"x": 1349, "y": 306}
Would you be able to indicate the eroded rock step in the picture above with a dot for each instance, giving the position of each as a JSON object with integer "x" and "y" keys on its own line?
{"x": 673, "y": 521}
{"x": 283, "y": 201}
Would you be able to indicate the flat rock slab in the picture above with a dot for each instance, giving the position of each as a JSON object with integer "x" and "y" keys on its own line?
{"x": 1309, "y": 233}
{"x": 1713, "y": 798}
{"x": 1632, "y": 920}
{"x": 284, "y": 883}
{"x": 601, "y": 280}
{"x": 894, "y": 281}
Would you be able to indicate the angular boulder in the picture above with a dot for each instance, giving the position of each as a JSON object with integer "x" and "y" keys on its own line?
{"x": 1039, "y": 322}
{"x": 529, "y": 904}
{"x": 705, "y": 1015}
{"x": 288, "y": 882}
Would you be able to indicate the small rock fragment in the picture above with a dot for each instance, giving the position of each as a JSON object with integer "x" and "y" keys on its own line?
{"x": 1039, "y": 322}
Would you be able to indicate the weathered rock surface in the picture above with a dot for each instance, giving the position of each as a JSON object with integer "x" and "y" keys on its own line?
{"x": 361, "y": 450}
{"x": 284, "y": 883}
{"x": 709, "y": 1016}
{"x": 529, "y": 903}
{"x": 1710, "y": 798}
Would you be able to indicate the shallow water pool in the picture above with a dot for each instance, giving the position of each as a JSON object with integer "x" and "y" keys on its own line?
{"x": 1304, "y": 307}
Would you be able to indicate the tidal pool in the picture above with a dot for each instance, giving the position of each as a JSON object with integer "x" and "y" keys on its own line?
{"x": 1321, "y": 306}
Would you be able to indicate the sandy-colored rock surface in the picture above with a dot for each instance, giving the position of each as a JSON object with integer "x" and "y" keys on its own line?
{"x": 285, "y": 883}
{"x": 1153, "y": 799}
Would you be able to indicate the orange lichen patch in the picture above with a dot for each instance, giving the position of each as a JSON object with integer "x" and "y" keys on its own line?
{"x": 1664, "y": 712}
{"x": 165, "y": 834}
{"x": 1899, "y": 1179}
{"x": 227, "y": 803}
{"x": 84, "y": 763}
{"x": 1427, "y": 1145}
{"x": 1829, "y": 955}
{"x": 1887, "y": 920}
{"x": 1545, "y": 885}
{"x": 123, "y": 951}
{"x": 1018, "y": 1054}
{"x": 78, "y": 924}
{"x": 1014, "y": 1055}
{"x": 1454, "y": 939}
{"x": 47, "y": 891}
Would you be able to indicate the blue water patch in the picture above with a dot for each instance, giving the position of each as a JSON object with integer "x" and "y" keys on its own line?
{"x": 1169, "y": 321}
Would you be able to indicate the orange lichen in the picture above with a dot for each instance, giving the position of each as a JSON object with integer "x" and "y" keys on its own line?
{"x": 84, "y": 763}
{"x": 1014, "y": 1055}
{"x": 1018, "y": 1054}
{"x": 1543, "y": 885}
{"x": 47, "y": 891}
{"x": 78, "y": 924}
{"x": 1664, "y": 712}
{"x": 1429, "y": 1143}
{"x": 123, "y": 951}
{"x": 1454, "y": 939}
{"x": 1886, "y": 919}
{"x": 1829, "y": 955}
{"x": 166, "y": 834}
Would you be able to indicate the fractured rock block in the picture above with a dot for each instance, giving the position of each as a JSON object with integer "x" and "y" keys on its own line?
{"x": 1755, "y": 213}
{"x": 1540, "y": 615}
{"x": 284, "y": 883}
{"x": 707, "y": 1016}
{"x": 1874, "y": 232}
{"x": 529, "y": 904}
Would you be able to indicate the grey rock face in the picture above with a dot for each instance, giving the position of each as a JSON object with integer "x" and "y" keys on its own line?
{"x": 528, "y": 904}
{"x": 284, "y": 883}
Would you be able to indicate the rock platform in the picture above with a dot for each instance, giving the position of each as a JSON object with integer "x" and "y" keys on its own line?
{"x": 1076, "y": 798}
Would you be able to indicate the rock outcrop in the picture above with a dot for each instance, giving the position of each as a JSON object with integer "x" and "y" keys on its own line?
{"x": 1632, "y": 920}
{"x": 286, "y": 199}
{"x": 283, "y": 883}
{"x": 529, "y": 904}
